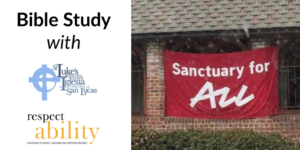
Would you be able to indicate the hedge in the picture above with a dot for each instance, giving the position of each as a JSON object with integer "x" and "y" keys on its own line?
{"x": 210, "y": 140}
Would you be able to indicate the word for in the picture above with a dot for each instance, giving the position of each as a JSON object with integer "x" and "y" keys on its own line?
{"x": 259, "y": 68}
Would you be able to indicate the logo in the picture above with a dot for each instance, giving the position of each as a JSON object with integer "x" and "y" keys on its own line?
{"x": 72, "y": 81}
{"x": 64, "y": 133}
{"x": 40, "y": 75}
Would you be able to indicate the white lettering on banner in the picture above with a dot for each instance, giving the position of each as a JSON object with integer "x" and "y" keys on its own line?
{"x": 207, "y": 71}
{"x": 239, "y": 101}
{"x": 259, "y": 68}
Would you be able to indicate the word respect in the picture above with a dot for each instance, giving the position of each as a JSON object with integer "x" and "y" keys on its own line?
{"x": 46, "y": 117}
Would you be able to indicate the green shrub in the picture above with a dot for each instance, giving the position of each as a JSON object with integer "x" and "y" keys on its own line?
{"x": 210, "y": 140}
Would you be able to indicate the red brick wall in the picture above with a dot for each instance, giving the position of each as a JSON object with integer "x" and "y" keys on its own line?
{"x": 286, "y": 124}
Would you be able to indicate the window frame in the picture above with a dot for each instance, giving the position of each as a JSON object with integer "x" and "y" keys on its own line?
{"x": 141, "y": 54}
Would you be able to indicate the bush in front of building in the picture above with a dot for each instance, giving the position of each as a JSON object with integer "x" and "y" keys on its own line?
{"x": 210, "y": 140}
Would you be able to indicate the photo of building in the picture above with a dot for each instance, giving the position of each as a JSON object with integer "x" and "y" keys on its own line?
{"x": 213, "y": 27}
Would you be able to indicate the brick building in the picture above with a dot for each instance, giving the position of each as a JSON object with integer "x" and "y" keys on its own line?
{"x": 213, "y": 26}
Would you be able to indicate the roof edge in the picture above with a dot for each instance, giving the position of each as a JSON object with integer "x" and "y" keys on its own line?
{"x": 237, "y": 32}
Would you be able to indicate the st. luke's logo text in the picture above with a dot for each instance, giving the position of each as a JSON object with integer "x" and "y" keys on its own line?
{"x": 45, "y": 79}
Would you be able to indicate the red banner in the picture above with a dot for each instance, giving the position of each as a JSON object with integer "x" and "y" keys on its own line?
{"x": 231, "y": 85}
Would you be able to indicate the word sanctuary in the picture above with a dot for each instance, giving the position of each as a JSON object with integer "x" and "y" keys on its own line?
{"x": 207, "y": 71}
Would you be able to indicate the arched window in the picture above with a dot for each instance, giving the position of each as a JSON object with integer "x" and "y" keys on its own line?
{"x": 137, "y": 81}
{"x": 289, "y": 75}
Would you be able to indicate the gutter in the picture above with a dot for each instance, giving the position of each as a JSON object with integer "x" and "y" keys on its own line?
{"x": 216, "y": 33}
